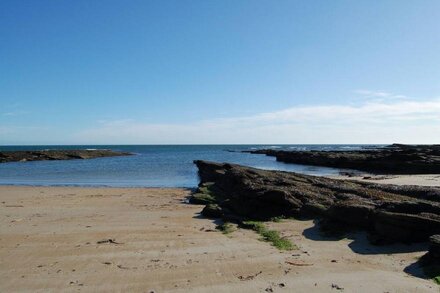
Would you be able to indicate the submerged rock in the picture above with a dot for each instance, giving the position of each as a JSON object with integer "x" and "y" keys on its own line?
{"x": 393, "y": 213}
{"x": 394, "y": 159}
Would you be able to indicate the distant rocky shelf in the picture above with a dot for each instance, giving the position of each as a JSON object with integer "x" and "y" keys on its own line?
{"x": 46, "y": 155}
{"x": 392, "y": 159}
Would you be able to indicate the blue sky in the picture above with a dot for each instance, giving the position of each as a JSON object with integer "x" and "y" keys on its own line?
{"x": 111, "y": 72}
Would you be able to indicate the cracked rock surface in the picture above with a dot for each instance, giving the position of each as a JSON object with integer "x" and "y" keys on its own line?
{"x": 394, "y": 213}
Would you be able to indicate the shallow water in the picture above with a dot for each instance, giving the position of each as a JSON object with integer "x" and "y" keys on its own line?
{"x": 151, "y": 166}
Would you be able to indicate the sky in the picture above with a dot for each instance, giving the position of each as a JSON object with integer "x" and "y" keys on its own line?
{"x": 219, "y": 72}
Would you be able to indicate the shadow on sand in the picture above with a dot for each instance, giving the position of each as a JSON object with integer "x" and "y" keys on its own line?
{"x": 416, "y": 270}
{"x": 361, "y": 244}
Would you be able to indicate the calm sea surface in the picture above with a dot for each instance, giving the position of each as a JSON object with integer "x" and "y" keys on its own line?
{"x": 151, "y": 166}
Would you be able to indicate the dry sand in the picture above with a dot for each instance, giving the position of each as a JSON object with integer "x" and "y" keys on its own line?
{"x": 424, "y": 180}
{"x": 49, "y": 235}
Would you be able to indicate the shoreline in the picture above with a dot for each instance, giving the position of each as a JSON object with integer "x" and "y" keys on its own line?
{"x": 50, "y": 240}
{"x": 96, "y": 186}
{"x": 429, "y": 180}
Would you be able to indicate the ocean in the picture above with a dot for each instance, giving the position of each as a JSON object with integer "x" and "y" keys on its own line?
{"x": 151, "y": 166}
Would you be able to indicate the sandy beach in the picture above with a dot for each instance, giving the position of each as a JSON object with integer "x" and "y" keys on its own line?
{"x": 220, "y": 146}
{"x": 150, "y": 240}
{"x": 422, "y": 180}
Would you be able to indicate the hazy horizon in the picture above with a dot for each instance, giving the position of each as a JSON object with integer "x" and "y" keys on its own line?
{"x": 188, "y": 144}
{"x": 219, "y": 72}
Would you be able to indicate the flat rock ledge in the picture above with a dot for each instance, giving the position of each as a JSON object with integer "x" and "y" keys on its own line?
{"x": 393, "y": 159}
{"x": 45, "y": 155}
{"x": 389, "y": 212}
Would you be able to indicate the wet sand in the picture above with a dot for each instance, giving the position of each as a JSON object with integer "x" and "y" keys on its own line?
{"x": 149, "y": 240}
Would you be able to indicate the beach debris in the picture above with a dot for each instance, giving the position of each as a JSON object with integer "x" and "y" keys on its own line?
{"x": 248, "y": 278}
{"x": 337, "y": 287}
{"x": 111, "y": 241}
{"x": 298, "y": 264}
{"x": 270, "y": 288}
{"x": 120, "y": 266}
{"x": 76, "y": 283}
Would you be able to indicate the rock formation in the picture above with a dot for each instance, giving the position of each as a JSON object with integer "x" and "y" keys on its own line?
{"x": 44, "y": 155}
{"x": 394, "y": 159}
{"x": 434, "y": 248}
{"x": 391, "y": 213}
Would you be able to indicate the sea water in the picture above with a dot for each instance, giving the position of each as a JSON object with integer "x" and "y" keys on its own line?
{"x": 150, "y": 166}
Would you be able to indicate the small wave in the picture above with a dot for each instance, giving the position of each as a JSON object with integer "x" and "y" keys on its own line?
{"x": 349, "y": 147}
{"x": 297, "y": 148}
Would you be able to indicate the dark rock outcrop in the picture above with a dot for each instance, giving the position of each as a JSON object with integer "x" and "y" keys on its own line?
{"x": 394, "y": 159}
{"x": 44, "y": 155}
{"x": 392, "y": 213}
{"x": 434, "y": 248}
